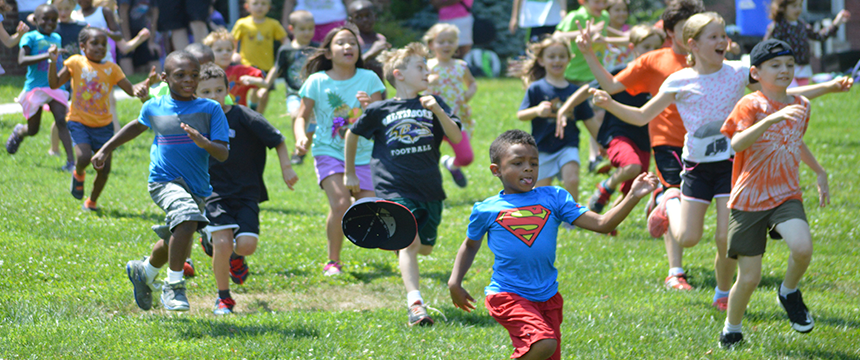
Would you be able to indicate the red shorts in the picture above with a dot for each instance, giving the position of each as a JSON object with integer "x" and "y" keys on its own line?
{"x": 527, "y": 321}
{"x": 622, "y": 152}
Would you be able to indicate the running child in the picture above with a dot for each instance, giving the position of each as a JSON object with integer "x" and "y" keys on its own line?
{"x": 557, "y": 141}
{"x": 331, "y": 95}
{"x": 705, "y": 95}
{"x": 89, "y": 118}
{"x": 766, "y": 129}
{"x": 407, "y": 131}
{"x": 789, "y": 27}
{"x": 37, "y": 92}
{"x": 237, "y": 187}
{"x": 627, "y": 146}
{"x": 451, "y": 80}
{"x": 6, "y": 39}
{"x": 521, "y": 224}
{"x": 256, "y": 35}
{"x": 290, "y": 61}
{"x": 363, "y": 14}
{"x": 242, "y": 78}
{"x": 188, "y": 131}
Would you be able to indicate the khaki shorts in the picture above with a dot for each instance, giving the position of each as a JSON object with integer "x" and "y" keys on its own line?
{"x": 748, "y": 230}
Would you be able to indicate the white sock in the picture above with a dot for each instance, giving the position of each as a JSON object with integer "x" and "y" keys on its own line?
{"x": 413, "y": 296}
{"x": 729, "y": 328}
{"x": 174, "y": 276}
{"x": 675, "y": 271}
{"x": 151, "y": 271}
{"x": 719, "y": 294}
{"x": 673, "y": 205}
{"x": 784, "y": 291}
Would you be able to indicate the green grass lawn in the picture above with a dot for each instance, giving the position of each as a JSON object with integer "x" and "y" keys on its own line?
{"x": 64, "y": 291}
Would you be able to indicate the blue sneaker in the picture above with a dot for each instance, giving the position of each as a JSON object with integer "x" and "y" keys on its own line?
{"x": 173, "y": 296}
{"x": 142, "y": 291}
{"x": 224, "y": 306}
{"x": 14, "y": 140}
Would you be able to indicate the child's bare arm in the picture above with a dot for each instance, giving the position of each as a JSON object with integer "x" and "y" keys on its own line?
{"x": 126, "y": 47}
{"x": 643, "y": 185}
{"x": 543, "y": 109}
{"x": 128, "y": 132}
{"x": 585, "y": 45}
{"x": 840, "y": 84}
{"x": 253, "y": 81}
{"x": 633, "y": 115}
{"x": 306, "y": 110}
{"x": 13, "y": 40}
{"x": 744, "y": 139}
{"x": 593, "y": 127}
{"x": 821, "y": 175}
{"x": 473, "y": 85}
{"x": 25, "y": 59}
{"x": 126, "y": 86}
{"x": 272, "y": 75}
{"x": 573, "y": 101}
{"x": 465, "y": 256}
{"x": 350, "y": 180}
{"x": 216, "y": 148}
{"x": 290, "y": 177}
{"x": 113, "y": 30}
{"x": 55, "y": 80}
{"x": 452, "y": 131}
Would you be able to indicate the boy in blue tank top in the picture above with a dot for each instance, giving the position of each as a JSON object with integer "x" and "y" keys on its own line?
{"x": 521, "y": 224}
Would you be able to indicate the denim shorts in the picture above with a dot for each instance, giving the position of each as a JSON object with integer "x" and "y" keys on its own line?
{"x": 94, "y": 137}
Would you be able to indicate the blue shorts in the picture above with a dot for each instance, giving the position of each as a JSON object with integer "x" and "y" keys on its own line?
{"x": 94, "y": 137}
{"x": 551, "y": 163}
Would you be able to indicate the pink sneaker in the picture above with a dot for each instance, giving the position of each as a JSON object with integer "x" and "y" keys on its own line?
{"x": 721, "y": 304}
{"x": 678, "y": 282}
{"x": 658, "y": 221}
{"x": 332, "y": 268}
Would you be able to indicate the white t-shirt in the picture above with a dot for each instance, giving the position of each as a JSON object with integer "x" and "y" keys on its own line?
{"x": 535, "y": 13}
{"x": 704, "y": 103}
{"x": 324, "y": 11}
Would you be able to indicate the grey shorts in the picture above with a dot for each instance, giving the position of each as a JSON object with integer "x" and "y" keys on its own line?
{"x": 178, "y": 203}
{"x": 748, "y": 230}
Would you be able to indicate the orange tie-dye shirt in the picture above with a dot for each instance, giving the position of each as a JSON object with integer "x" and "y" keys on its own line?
{"x": 767, "y": 173}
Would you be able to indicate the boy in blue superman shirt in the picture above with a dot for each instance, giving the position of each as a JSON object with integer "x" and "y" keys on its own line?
{"x": 521, "y": 224}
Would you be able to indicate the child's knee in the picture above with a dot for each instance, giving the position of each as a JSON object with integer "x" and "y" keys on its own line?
{"x": 425, "y": 249}
{"x": 464, "y": 159}
{"x": 631, "y": 170}
{"x": 544, "y": 348}
{"x": 571, "y": 182}
{"x": 222, "y": 245}
{"x": 749, "y": 279}
{"x": 246, "y": 245}
{"x": 689, "y": 238}
{"x": 802, "y": 252}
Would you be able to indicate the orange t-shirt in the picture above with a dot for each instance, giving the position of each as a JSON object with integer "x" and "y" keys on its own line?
{"x": 767, "y": 173}
{"x": 91, "y": 86}
{"x": 645, "y": 75}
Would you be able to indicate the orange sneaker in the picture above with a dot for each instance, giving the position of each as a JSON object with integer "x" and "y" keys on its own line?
{"x": 721, "y": 304}
{"x": 678, "y": 282}
{"x": 658, "y": 221}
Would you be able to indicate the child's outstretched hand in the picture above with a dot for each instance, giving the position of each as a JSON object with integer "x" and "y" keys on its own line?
{"x": 823, "y": 190}
{"x": 644, "y": 185}
{"x": 248, "y": 79}
{"x": 195, "y": 136}
{"x": 290, "y": 177}
{"x": 544, "y": 109}
{"x": 363, "y": 98}
{"x": 351, "y": 182}
{"x": 429, "y": 103}
{"x": 98, "y": 159}
{"x": 560, "y": 123}
{"x": 841, "y": 18}
{"x": 461, "y": 298}
{"x": 53, "y": 52}
{"x": 143, "y": 34}
{"x": 599, "y": 97}
{"x": 840, "y": 84}
{"x": 22, "y": 28}
{"x": 585, "y": 40}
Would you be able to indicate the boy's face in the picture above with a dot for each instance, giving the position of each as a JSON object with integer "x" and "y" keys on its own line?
{"x": 414, "y": 75}
{"x": 650, "y": 43}
{"x": 777, "y": 72}
{"x": 47, "y": 20}
{"x": 223, "y": 50}
{"x": 258, "y": 8}
{"x": 517, "y": 168}
{"x": 215, "y": 89}
{"x": 595, "y": 6}
{"x": 363, "y": 18}
{"x": 182, "y": 77}
{"x": 303, "y": 31}
{"x": 65, "y": 9}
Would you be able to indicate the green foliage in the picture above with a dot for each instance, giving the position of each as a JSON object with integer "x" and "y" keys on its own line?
{"x": 65, "y": 294}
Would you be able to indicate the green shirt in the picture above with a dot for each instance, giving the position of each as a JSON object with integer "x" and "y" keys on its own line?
{"x": 577, "y": 70}
{"x": 162, "y": 89}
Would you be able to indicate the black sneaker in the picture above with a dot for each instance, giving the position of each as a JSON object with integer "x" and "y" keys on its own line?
{"x": 206, "y": 241}
{"x": 77, "y": 189}
{"x": 297, "y": 159}
{"x": 729, "y": 340}
{"x": 599, "y": 199}
{"x": 798, "y": 314}
{"x": 599, "y": 165}
{"x": 14, "y": 140}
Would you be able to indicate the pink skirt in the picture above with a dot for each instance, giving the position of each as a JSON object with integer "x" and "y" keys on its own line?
{"x": 34, "y": 99}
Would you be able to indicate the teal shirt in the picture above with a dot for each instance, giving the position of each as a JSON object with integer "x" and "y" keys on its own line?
{"x": 37, "y": 74}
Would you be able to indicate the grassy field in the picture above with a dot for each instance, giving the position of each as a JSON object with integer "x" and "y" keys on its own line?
{"x": 64, "y": 291}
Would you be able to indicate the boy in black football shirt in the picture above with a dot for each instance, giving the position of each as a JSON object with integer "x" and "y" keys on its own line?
{"x": 407, "y": 131}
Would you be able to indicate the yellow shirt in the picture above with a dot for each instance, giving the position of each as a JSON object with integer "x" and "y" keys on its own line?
{"x": 91, "y": 86}
{"x": 257, "y": 41}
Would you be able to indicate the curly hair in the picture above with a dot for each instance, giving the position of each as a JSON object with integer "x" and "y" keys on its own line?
{"x": 399, "y": 59}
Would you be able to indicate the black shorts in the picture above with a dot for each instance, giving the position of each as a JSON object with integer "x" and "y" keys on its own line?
{"x": 702, "y": 182}
{"x": 243, "y": 216}
{"x": 667, "y": 160}
{"x": 176, "y": 14}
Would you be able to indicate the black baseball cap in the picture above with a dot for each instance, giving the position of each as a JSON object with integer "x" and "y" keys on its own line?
{"x": 378, "y": 223}
{"x": 769, "y": 49}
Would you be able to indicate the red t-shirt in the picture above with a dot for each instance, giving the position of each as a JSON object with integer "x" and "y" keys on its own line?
{"x": 237, "y": 89}
{"x": 645, "y": 75}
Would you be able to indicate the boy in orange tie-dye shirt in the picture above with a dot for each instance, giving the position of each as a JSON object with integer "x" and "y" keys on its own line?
{"x": 766, "y": 129}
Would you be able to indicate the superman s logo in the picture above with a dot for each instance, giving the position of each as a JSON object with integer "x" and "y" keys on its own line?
{"x": 524, "y": 222}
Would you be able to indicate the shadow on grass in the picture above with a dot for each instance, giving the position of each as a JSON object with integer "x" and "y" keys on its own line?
{"x": 460, "y": 317}
{"x": 188, "y": 328}
{"x": 376, "y": 270}
{"x": 147, "y": 216}
{"x": 822, "y": 354}
{"x": 705, "y": 279}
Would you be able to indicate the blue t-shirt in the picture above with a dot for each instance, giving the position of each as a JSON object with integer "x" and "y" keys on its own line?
{"x": 543, "y": 129}
{"x": 173, "y": 154}
{"x": 336, "y": 109}
{"x": 522, "y": 230}
{"x": 37, "y": 74}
